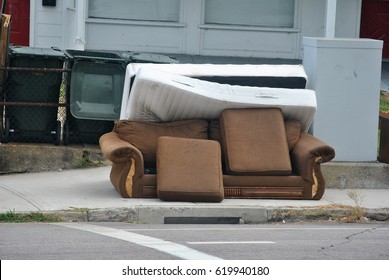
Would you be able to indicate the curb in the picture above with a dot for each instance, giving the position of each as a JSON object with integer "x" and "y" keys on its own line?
{"x": 159, "y": 215}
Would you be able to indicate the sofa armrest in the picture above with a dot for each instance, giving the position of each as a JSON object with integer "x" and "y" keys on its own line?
{"x": 118, "y": 150}
{"x": 127, "y": 164}
{"x": 306, "y": 157}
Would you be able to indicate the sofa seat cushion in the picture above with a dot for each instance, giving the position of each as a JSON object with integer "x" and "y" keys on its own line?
{"x": 189, "y": 170}
{"x": 254, "y": 142}
{"x": 144, "y": 135}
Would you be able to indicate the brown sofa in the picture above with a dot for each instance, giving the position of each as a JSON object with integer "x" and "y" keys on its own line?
{"x": 263, "y": 155}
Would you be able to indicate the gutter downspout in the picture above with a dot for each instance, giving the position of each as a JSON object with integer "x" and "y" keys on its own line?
{"x": 80, "y": 25}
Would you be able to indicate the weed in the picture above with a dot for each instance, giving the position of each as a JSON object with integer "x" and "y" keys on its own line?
{"x": 86, "y": 162}
{"x": 82, "y": 210}
{"x": 356, "y": 213}
{"x": 356, "y": 196}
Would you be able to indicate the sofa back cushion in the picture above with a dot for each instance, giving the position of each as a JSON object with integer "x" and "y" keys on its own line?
{"x": 292, "y": 130}
{"x": 144, "y": 135}
{"x": 254, "y": 142}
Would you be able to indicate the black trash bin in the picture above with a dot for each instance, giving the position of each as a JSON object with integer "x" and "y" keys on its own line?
{"x": 32, "y": 91}
{"x": 383, "y": 155}
{"x": 94, "y": 95}
{"x": 96, "y": 90}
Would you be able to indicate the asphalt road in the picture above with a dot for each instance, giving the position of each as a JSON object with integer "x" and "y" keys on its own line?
{"x": 122, "y": 241}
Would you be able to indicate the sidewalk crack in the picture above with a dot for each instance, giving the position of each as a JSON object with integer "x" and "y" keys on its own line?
{"x": 22, "y": 196}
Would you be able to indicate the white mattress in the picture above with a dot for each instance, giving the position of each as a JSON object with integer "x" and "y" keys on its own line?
{"x": 159, "y": 96}
{"x": 212, "y": 70}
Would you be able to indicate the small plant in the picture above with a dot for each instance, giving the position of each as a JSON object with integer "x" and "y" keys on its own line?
{"x": 357, "y": 211}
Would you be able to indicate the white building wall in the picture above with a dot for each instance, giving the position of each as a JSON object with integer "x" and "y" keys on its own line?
{"x": 46, "y": 25}
{"x": 67, "y": 26}
{"x": 246, "y": 43}
{"x": 109, "y": 35}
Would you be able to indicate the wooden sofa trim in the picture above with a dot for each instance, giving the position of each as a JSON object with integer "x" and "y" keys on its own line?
{"x": 130, "y": 178}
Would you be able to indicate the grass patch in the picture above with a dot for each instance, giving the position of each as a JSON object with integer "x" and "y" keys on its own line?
{"x": 12, "y": 217}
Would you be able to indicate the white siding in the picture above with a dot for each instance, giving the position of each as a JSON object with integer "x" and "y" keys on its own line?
{"x": 248, "y": 43}
{"x": 67, "y": 26}
{"x": 105, "y": 35}
{"x": 47, "y": 29}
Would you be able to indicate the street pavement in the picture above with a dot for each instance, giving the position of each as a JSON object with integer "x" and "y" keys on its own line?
{"x": 87, "y": 195}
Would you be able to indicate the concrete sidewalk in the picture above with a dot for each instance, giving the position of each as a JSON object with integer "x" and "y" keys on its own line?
{"x": 87, "y": 195}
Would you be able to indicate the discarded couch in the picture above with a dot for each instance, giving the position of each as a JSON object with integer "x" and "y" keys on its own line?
{"x": 245, "y": 153}
{"x": 187, "y": 139}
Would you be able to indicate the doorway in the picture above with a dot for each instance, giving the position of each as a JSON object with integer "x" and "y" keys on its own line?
{"x": 375, "y": 22}
{"x": 20, "y": 22}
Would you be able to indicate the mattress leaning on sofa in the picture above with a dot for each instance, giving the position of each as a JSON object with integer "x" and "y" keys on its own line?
{"x": 158, "y": 96}
{"x": 260, "y": 75}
